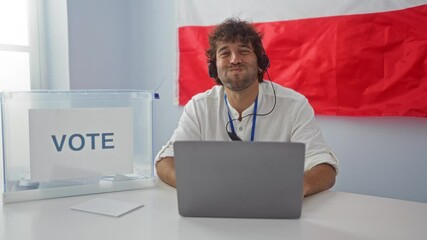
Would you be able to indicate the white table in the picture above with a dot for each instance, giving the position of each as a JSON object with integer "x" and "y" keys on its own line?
{"x": 328, "y": 215}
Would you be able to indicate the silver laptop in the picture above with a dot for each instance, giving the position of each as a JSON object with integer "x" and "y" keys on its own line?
{"x": 239, "y": 179}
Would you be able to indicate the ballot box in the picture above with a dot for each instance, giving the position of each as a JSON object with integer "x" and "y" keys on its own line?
{"x": 66, "y": 143}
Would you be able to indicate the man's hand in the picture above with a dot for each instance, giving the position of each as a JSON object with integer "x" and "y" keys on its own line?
{"x": 166, "y": 170}
{"x": 318, "y": 178}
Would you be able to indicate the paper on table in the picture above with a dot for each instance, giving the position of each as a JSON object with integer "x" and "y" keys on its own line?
{"x": 107, "y": 207}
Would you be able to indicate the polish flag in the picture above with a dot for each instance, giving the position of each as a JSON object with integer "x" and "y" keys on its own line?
{"x": 348, "y": 57}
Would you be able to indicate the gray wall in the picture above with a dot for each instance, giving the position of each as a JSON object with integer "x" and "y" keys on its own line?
{"x": 381, "y": 156}
{"x": 132, "y": 44}
{"x": 99, "y": 44}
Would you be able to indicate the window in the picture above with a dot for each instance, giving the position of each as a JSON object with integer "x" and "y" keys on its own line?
{"x": 19, "y": 67}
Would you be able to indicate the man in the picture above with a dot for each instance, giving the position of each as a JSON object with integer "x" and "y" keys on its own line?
{"x": 244, "y": 107}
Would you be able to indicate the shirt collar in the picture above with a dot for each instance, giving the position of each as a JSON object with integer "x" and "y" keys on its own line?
{"x": 233, "y": 112}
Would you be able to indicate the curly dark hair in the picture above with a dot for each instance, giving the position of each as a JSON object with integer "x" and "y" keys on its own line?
{"x": 231, "y": 30}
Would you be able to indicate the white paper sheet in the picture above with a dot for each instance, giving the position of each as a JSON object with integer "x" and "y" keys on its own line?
{"x": 80, "y": 143}
{"x": 109, "y": 207}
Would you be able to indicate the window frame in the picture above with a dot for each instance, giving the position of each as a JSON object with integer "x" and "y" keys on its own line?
{"x": 33, "y": 44}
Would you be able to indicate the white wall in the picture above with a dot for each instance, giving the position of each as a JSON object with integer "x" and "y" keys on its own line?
{"x": 132, "y": 44}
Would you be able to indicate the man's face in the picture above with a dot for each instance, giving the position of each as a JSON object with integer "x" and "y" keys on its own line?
{"x": 237, "y": 65}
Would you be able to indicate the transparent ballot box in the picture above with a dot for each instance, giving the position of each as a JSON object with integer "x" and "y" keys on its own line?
{"x": 65, "y": 143}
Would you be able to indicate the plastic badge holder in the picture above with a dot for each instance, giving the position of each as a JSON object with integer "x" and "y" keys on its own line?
{"x": 16, "y": 107}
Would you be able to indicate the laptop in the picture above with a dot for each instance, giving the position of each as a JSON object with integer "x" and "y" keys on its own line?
{"x": 239, "y": 179}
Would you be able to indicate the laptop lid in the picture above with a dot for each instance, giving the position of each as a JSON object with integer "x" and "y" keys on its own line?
{"x": 239, "y": 179}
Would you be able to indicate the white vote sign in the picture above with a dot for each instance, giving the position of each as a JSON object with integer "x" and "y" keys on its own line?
{"x": 80, "y": 143}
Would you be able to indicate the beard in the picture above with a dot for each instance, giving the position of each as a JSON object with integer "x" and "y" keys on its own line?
{"x": 238, "y": 78}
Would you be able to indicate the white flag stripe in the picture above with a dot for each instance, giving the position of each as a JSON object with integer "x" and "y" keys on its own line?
{"x": 211, "y": 12}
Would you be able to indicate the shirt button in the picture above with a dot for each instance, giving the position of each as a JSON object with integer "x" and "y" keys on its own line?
{"x": 240, "y": 128}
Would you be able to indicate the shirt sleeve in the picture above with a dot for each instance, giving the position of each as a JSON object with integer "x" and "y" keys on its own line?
{"x": 188, "y": 129}
{"x": 306, "y": 130}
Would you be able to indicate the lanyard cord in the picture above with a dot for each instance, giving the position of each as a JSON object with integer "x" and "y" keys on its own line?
{"x": 233, "y": 136}
{"x": 253, "y": 118}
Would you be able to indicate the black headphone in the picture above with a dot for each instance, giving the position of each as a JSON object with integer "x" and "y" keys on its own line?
{"x": 263, "y": 63}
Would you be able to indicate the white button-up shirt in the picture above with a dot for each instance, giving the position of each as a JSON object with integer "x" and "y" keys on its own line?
{"x": 205, "y": 118}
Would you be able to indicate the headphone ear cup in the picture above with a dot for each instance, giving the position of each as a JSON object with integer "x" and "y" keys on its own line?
{"x": 212, "y": 70}
{"x": 264, "y": 62}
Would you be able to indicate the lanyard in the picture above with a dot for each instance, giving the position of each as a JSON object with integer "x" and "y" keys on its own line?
{"x": 253, "y": 117}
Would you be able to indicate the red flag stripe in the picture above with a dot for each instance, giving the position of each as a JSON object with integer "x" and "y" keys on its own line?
{"x": 366, "y": 64}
